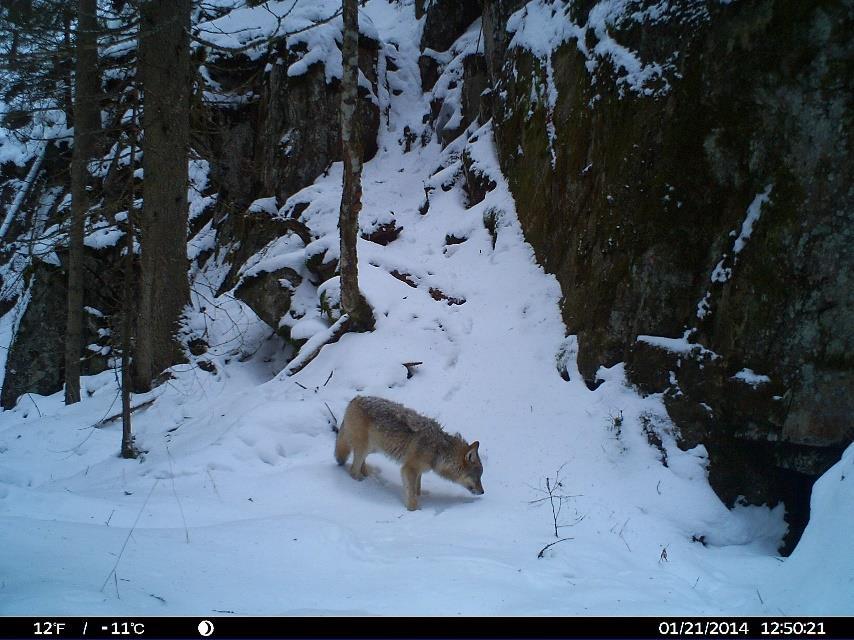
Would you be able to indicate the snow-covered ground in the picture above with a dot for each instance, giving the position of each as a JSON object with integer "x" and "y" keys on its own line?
{"x": 238, "y": 506}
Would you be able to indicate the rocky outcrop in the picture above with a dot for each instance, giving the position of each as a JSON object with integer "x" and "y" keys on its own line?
{"x": 472, "y": 104}
{"x": 279, "y": 132}
{"x": 250, "y": 232}
{"x": 299, "y": 132}
{"x": 268, "y": 294}
{"x": 444, "y": 22}
{"x": 271, "y": 148}
{"x": 35, "y": 363}
{"x": 713, "y": 196}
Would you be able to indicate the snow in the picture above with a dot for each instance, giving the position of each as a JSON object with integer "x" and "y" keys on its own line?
{"x": 678, "y": 345}
{"x": 723, "y": 269}
{"x": 103, "y": 236}
{"x": 310, "y": 35}
{"x": 753, "y": 213}
{"x": 198, "y": 170}
{"x": 238, "y": 506}
{"x": 264, "y": 205}
{"x": 448, "y": 87}
{"x": 21, "y": 147}
{"x": 23, "y": 190}
{"x": 819, "y": 575}
{"x": 748, "y": 376}
{"x": 542, "y": 26}
{"x": 287, "y": 251}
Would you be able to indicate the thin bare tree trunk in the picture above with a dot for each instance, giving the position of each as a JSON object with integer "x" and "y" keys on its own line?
{"x": 87, "y": 123}
{"x": 353, "y": 303}
{"x": 164, "y": 55}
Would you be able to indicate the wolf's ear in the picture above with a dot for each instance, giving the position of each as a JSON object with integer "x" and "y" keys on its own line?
{"x": 471, "y": 454}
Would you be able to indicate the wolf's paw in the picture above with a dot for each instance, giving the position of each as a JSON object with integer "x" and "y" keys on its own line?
{"x": 370, "y": 470}
{"x": 412, "y": 506}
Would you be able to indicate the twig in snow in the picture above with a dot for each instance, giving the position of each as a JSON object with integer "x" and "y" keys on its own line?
{"x": 760, "y": 596}
{"x": 175, "y": 493}
{"x": 30, "y": 396}
{"x": 551, "y": 544}
{"x": 130, "y": 533}
{"x": 555, "y": 499}
{"x": 213, "y": 484}
{"x": 334, "y": 419}
{"x": 623, "y": 539}
{"x": 538, "y": 500}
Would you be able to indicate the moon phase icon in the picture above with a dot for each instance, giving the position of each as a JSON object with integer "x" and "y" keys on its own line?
{"x": 206, "y": 628}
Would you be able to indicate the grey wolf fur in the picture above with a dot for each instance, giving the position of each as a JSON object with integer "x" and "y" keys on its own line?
{"x": 374, "y": 424}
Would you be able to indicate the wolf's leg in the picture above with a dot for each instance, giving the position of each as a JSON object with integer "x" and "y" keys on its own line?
{"x": 410, "y": 478}
{"x": 358, "y": 465}
{"x": 418, "y": 485}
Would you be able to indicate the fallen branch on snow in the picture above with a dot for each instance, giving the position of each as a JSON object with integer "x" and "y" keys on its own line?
{"x": 311, "y": 349}
{"x": 106, "y": 421}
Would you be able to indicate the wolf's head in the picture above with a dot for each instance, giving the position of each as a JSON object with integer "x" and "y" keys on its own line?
{"x": 472, "y": 470}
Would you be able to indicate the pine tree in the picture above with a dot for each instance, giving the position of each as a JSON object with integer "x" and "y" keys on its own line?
{"x": 87, "y": 122}
{"x": 164, "y": 65}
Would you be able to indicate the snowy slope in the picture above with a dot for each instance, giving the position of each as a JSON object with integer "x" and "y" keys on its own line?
{"x": 238, "y": 506}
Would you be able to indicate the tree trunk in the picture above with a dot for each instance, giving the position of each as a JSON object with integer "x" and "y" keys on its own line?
{"x": 87, "y": 123}
{"x": 164, "y": 56}
{"x": 128, "y": 449}
{"x": 353, "y": 302}
{"x": 65, "y": 65}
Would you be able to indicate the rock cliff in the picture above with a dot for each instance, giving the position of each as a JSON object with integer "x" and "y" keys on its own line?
{"x": 684, "y": 169}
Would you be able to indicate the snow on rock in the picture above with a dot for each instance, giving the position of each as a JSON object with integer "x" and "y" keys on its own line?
{"x": 264, "y": 205}
{"x": 678, "y": 345}
{"x": 541, "y": 26}
{"x": 748, "y": 376}
{"x": 286, "y": 251}
{"x": 312, "y": 31}
{"x": 199, "y": 170}
{"x": 103, "y": 236}
{"x": 753, "y": 213}
{"x": 449, "y": 86}
{"x": 723, "y": 269}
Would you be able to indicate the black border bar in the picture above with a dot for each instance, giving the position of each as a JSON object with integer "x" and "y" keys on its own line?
{"x": 221, "y": 627}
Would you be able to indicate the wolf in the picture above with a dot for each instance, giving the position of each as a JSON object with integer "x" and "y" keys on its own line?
{"x": 374, "y": 424}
